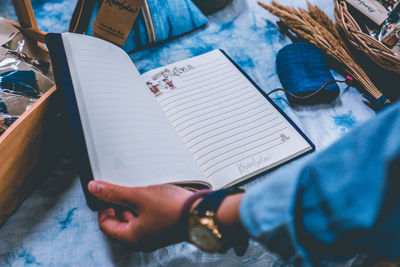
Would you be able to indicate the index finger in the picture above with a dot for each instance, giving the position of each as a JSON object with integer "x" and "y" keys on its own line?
{"x": 112, "y": 193}
{"x": 114, "y": 227}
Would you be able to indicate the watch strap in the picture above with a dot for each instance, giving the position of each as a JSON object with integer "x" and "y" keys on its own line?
{"x": 212, "y": 201}
{"x": 184, "y": 213}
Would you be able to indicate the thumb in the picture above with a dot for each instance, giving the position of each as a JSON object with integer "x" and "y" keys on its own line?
{"x": 111, "y": 193}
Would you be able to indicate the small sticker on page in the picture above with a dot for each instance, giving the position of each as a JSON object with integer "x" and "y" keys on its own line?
{"x": 7, "y": 32}
{"x": 115, "y": 20}
{"x": 167, "y": 80}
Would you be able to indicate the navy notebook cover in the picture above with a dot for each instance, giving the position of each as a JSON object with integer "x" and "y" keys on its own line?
{"x": 64, "y": 84}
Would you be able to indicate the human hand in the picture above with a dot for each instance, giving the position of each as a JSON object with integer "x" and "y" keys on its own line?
{"x": 150, "y": 219}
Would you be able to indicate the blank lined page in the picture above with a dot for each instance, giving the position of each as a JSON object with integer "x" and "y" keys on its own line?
{"x": 130, "y": 141}
{"x": 229, "y": 127}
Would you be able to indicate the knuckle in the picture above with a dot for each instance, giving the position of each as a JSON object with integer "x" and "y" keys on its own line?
{"x": 102, "y": 228}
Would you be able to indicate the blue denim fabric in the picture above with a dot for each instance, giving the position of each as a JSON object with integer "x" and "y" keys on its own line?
{"x": 171, "y": 18}
{"x": 344, "y": 201}
{"x": 265, "y": 211}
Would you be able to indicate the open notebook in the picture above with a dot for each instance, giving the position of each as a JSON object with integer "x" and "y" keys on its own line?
{"x": 197, "y": 121}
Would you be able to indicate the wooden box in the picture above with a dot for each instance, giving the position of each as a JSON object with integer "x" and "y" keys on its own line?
{"x": 28, "y": 146}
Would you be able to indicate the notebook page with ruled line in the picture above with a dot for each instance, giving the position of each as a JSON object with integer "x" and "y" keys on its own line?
{"x": 129, "y": 140}
{"x": 228, "y": 126}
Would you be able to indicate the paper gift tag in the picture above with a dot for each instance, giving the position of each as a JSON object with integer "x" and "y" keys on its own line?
{"x": 115, "y": 19}
{"x": 7, "y": 31}
{"x": 374, "y": 10}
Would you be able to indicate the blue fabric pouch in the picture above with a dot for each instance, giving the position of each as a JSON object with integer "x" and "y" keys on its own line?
{"x": 158, "y": 20}
{"x": 302, "y": 70}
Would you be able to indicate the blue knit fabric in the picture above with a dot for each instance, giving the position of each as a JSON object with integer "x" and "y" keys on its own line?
{"x": 171, "y": 18}
{"x": 302, "y": 69}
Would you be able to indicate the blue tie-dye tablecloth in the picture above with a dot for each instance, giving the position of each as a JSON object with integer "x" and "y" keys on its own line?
{"x": 54, "y": 227}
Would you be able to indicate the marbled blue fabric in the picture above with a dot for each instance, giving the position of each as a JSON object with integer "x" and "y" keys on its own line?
{"x": 52, "y": 16}
{"x": 54, "y": 226}
{"x": 171, "y": 18}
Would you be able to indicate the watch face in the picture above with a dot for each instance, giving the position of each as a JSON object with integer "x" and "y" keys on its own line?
{"x": 203, "y": 237}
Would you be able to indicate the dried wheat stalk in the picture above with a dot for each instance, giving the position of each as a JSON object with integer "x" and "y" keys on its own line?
{"x": 315, "y": 27}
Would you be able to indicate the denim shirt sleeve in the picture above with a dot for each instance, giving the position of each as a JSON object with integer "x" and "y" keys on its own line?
{"x": 344, "y": 201}
{"x": 265, "y": 211}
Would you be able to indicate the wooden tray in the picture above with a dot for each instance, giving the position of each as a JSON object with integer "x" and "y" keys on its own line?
{"x": 29, "y": 145}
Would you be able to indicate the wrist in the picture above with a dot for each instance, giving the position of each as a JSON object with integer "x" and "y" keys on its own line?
{"x": 228, "y": 216}
{"x": 228, "y": 212}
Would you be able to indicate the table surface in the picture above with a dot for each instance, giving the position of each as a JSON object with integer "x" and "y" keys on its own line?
{"x": 54, "y": 227}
